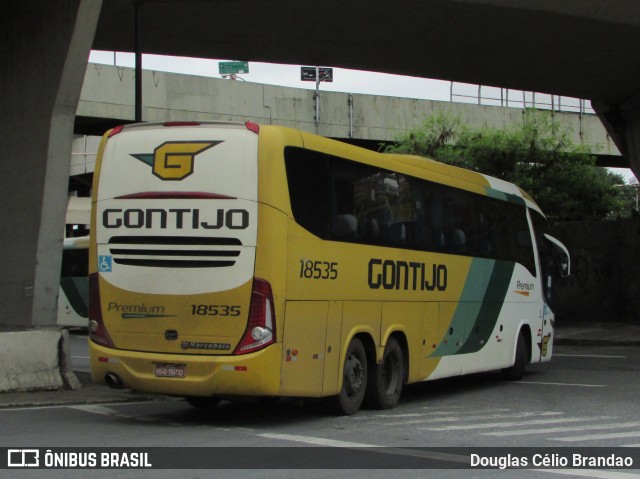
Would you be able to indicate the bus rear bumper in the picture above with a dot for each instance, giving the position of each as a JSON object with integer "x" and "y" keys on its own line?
{"x": 255, "y": 374}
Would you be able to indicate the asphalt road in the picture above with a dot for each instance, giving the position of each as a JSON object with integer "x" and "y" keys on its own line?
{"x": 587, "y": 396}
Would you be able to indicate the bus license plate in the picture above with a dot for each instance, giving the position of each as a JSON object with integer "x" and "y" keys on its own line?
{"x": 163, "y": 370}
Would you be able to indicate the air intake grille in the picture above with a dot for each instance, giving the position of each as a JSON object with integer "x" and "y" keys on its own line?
{"x": 175, "y": 251}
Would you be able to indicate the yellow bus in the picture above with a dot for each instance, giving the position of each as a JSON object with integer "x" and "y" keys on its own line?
{"x": 243, "y": 260}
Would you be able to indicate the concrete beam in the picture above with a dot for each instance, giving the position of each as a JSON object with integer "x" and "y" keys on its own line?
{"x": 46, "y": 56}
{"x": 622, "y": 121}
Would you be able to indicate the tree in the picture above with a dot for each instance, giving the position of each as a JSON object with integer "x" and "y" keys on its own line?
{"x": 536, "y": 155}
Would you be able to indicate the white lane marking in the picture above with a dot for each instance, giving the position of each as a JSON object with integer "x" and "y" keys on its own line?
{"x": 59, "y": 406}
{"x": 428, "y": 414}
{"x": 468, "y": 412}
{"x": 482, "y": 417}
{"x": 105, "y": 411}
{"x": 604, "y": 356}
{"x": 591, "y": 437}
{"x": 316, "y": 441}
{"x": 320, "y": 441}
{"x": 95, "y": 409}
{"x": 376, "y": 416}
{"x": 590, "y": 473}
{"x": 495, "y": 416}
{"x": 550, "y": 430}
{"x": 561, "y": 384}
{"x": 459, "y": 458}
{"x": 514, "y": 423}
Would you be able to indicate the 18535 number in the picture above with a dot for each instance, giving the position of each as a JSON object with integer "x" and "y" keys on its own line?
{"x": 318, "y": 269}
{"x": 214, "y": 310}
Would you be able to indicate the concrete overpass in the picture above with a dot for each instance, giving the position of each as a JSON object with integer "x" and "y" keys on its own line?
{"x": 107, "y": 98}
{"x": 580, "y": 48}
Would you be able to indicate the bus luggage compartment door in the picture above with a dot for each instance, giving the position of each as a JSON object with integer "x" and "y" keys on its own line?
{"x": 304, "y": 347}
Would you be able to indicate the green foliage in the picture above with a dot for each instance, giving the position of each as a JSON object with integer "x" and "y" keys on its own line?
{"x": 536, "y": 155}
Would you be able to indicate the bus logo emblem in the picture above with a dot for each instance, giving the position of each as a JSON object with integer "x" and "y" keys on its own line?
{"x": 173, "y": 160}
{"x": 23, "y": 457}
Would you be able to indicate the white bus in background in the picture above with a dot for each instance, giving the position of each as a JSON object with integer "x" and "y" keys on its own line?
{"x": 73, "y": 295}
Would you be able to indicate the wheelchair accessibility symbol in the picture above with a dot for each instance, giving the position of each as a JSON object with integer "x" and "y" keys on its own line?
{"x": 104, "y": 263}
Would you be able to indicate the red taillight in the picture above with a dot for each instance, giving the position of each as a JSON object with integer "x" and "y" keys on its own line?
{"x": 97, "y": 332}
{"x": 254, "y": 127}
{"x": 115, "y": 131}
{"x": 261, "y": 327}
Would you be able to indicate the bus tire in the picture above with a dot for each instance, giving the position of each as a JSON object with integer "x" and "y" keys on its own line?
{"x": 354, "y": 379}
{"x": 516, "y": 372}
{"x": 386, "y": 379}
{"x": 203, "y": 403}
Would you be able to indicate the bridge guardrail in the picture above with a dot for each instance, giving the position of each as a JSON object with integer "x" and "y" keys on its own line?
{"x": 495, "y": 96}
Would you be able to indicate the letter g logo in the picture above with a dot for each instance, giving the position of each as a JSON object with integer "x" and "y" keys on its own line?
{"x": 173, "y": 160}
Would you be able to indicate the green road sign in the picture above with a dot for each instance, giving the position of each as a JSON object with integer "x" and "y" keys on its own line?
{"x": 230, "y": 68}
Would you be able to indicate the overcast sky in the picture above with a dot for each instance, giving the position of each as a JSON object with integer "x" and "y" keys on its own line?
{"x": 348, "y": 81}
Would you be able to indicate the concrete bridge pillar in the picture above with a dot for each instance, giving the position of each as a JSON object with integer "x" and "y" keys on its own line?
{"x": 622, "y": 121}
{"x": 44, "y": 49}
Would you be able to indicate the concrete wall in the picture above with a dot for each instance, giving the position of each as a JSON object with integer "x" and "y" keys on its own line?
{"x": 108, "y": 92}
{"x": 605, "y": 280}
{"x": 35, "y": 360}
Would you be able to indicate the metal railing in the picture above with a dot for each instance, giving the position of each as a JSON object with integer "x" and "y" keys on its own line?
{"x": 493, "y": 96}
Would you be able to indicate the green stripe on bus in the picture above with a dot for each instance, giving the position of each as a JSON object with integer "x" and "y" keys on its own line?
{"x": 487, "y": 317}
{"x": 76, "y": 289}
{"x": 477, "y": 312}
{"x": 501, "y": 195}
{"x": 475, "y": 288}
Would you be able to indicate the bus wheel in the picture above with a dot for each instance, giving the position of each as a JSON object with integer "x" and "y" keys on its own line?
{"x": 203, "y": 402}
{"x": 516, "y": 372}
{"x": 354, "y": 379}
{"x": 386, "y": 379}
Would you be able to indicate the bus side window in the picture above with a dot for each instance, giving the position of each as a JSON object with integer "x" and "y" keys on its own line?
{"x": 75, "y": 263}
{"x": 487, "y": 231}
{"x": 308, "y": 182}
{"x": 520, "y": 236}
{"x": 429, "y": 216}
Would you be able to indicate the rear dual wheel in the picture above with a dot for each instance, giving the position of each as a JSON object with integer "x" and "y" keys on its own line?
{"x": 387, "y": 378}
{"x": 379, "y": 384}
{"x": 354, "y": 379}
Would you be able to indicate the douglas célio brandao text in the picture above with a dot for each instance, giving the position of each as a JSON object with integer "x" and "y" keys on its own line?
{"x": 538, "y": 460}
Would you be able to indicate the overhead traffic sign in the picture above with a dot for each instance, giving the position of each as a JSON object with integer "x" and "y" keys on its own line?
{"x": 309, "y": 74}
{"x": 231, "y": 68}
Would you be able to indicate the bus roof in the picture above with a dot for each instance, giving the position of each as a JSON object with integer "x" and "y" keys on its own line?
{"x": 434, "y": 170}
{"x": 466, "y": 175}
